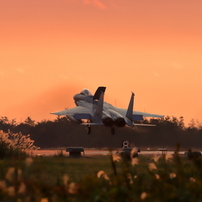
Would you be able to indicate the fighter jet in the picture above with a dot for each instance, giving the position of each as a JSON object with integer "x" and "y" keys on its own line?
{"x": 92, "y": 110}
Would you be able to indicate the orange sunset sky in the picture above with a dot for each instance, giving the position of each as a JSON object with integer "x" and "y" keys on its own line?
{"x": 52, "y": 49}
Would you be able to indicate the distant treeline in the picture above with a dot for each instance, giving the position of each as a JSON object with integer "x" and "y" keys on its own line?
{"x": 63, "y": 133}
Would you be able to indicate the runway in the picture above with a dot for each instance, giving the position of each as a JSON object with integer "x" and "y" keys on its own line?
{"x": 95, "y": 152}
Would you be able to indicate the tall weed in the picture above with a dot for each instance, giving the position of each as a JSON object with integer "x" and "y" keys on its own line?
{"x": 163, "y": 178}
{"x": 15, "y": 144}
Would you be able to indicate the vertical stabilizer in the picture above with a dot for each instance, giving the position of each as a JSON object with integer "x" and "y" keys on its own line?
{"x": 98, "y": 108}
{"x": 129, "y": 113}
{"x": 98, "y": 92}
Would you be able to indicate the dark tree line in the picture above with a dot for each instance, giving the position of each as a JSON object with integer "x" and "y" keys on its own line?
{"x": 63, "y": 133}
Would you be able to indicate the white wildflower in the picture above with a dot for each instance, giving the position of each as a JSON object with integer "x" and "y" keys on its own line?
{"x": 65, "y": 179}
{"x": 172, "y": 175}
{"x": 2, "y": 184}
{"x": 19, "y": 174}
{"x": 135, "y": 176}
{"x": 11, "y": 191}
{"x": 191, "y": 179}
{"x": 143, "y": 195}
{"x": 72, "y": 188}
{"x": 116, "y": 157}
{"x": 168, "y": 156}
{"x": 130, "y": 178}
{"x": 157, "y": 176}
{"x": 152, "y": 166}
{"x": 101, "y": 173}
{"x": 156, "y": 158}
{"x": 134, "y": 161}
{"x": 133, "y": 153}
{"x": 28, "y": 161}
{"x": 9, "y": 174}
{"x": 44, "y": 200}
{"x": 22, "y": 188}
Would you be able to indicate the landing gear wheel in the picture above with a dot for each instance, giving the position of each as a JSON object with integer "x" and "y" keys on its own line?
{"x": 88, "y": 128}
{"x": 112, "y": 130}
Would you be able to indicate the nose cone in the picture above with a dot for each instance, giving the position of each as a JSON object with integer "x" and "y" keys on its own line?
{"x": 77, "y": 97}
{"x": 81, "y": 97}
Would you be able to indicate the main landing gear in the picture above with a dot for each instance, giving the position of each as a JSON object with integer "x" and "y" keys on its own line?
{"x": 88, "y": 130}
{"x": 112, "y": 130}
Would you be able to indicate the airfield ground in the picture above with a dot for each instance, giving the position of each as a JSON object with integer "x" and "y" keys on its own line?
{"x": 94, "y": 152}
{"x": 99, "y": 178}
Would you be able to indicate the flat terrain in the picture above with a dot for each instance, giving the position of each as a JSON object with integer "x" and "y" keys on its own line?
{"x": 92, "y": 152}
{"x": 99, "y": 178}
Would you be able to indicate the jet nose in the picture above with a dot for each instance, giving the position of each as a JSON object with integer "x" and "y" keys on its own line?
{"x": 77, "y": 97}
{"x": 82, "y": 97}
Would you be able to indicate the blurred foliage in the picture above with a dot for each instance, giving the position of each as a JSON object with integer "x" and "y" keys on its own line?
{"x": 63, "y": 133}
{"x": 15, "y": 145}
{"x": 163, "y": 178}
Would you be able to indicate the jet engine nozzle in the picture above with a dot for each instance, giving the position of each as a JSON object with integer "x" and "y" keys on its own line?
{"x": 118, "y": 119}
{"x": 120, "y": 122}
{"x": 109, "y": 122}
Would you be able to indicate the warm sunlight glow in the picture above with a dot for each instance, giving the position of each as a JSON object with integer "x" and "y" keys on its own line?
{"x": 51, "y": 50}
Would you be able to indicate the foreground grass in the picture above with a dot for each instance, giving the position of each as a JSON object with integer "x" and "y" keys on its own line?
{"x": 75, "y": 168}
{"x": 162, "y": 178}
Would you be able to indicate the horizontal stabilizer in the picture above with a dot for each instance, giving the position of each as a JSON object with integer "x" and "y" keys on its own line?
{"x": 139, "y": 124}
{"x": 137, "y": 117}
{"x": 82, "y": 116}
{"x": 144, "y": 114}
{"x": 92, "y": 124}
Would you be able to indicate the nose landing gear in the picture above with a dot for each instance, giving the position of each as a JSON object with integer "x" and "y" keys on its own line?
{"x": 88, "y": 129}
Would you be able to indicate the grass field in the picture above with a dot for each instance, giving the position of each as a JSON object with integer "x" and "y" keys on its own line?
{"x": 101, "y": 178}
{"x": 75, "y": 168}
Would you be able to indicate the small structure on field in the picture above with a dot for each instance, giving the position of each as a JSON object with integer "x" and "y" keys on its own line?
{"x": 192, "y": 155}
{"x": 75, "y": 151}
{"x": 163, "y": 150}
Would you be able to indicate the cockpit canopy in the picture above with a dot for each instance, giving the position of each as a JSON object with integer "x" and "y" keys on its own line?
{"x": 86, "y": 92}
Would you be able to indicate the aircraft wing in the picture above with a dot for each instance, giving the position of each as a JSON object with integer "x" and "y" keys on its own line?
{"x": 86, "y": 110}
{"x": 144, "y": 114}
{"x": 137, "y": 114}
{"x": 75, "y": 113}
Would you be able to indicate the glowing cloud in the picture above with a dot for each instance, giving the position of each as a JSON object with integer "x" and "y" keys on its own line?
{"x": 95, "y": 2}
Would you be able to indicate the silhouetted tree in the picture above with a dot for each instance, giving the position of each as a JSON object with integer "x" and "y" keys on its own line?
{"x": 29, "y": 121}
{"x": 62, "y": 133}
